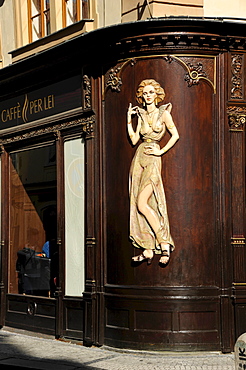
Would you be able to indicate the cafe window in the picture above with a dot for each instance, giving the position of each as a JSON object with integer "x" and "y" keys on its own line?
{"x": 39, "y": 19}
{"x": 33, "y": 252}
{"x": 74, "y": 159}
{"x": 74, "y": 10}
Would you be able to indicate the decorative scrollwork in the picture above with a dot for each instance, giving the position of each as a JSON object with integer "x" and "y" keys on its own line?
{"x": 168, "y": 58}
{"x": 1, "y": 149}
{"x": 236, "y": 118}
{"x": 194, "y": 74}
{"x": 114, "y": 80}
{"x": 88, "y": 127}
{"x": 236, "y": 79}
{"x": 87, "y": 124}
{"x": 86, "y": 92}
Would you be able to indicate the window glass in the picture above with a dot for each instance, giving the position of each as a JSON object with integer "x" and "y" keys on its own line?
{"x": 33, "y": 253}
{"x": 39, "y": 11}
{"x": 36, "y": 19}
{"x": 71, "y": 12}
{"x": 74, "y": 217}
{"x": 75, "y": 10}
{"x": 47, "y": 18}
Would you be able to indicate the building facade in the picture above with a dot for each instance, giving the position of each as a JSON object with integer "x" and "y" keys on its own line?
{"x": 69, "y": 71}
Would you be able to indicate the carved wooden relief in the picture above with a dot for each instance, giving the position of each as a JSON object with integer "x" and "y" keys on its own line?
{"x": 236, "y": 120}
{"x": 237, "y": 77}
{"x": 114, "y": 81}
{"x": 88, "y": 126}
{"x": 238, "y": 242}
{"x": 86, "y": 123}
{"x": 163, "y": 43}
{"x": 190, "y": 202}
{"x": 236, "y": 117}
{"x": 86, "y": 93}
{"x": 197, "y": 69}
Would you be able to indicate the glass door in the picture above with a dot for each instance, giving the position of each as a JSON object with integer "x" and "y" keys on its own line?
{"x": 33, "y": 253}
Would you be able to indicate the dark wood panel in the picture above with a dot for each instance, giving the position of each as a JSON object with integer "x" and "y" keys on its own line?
{"x": 117, "y": 318}
{"x": 198, "y": 321}
{"x": 89, "y": 319}
{"x": 31, "y": 313}
{"x": 162, "y": 325}
{"x": 240, "y": 313}
{"x": 73, "y": 317}
{"x": 170, "y": 319}
{"x": 162, "y": 320}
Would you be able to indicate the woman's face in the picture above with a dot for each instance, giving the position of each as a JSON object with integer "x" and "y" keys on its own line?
{"x": 149, "y": 94}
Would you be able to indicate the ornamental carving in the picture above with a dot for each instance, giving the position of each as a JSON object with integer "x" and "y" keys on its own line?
{"x": 114, "y": 80}
{"x": 86, "y": 123}
{"x": 237, "y": 77}
{"x": 195, "y": 72}
{"x": 238, "y": 242}
{"x": 169, "y": 42}
{"x": 236, "y": 118}
{"x": 88, "y": 127}
{"x": 86, "y": 92}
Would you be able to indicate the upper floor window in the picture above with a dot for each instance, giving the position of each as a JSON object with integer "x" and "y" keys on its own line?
{"x": 39, "y": 19}
{"x": 74, "y": 10}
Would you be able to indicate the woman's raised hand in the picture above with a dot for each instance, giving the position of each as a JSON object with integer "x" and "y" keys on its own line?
{"x": 132, "y": 110}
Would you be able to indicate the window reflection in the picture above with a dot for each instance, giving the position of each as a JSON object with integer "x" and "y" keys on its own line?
{"x": 33, "y": 254}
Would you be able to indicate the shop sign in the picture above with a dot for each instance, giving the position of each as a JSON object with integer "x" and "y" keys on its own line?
{"x": 50, "y": 100}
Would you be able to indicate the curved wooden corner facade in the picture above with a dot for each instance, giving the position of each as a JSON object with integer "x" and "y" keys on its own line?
{"x": 197, "y": 302}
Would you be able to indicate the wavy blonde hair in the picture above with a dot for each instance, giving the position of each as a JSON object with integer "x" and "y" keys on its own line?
{"x": 158, "y": 89}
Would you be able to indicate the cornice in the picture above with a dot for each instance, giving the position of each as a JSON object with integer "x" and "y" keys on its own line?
{"x": 170, "y": 42}
{"x": 85, "y": 123}
{"x": 110, "y": 44}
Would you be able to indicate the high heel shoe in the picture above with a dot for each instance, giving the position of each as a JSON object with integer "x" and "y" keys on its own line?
{"x": 141, "y": 257}
{"x": 165, "y": 253}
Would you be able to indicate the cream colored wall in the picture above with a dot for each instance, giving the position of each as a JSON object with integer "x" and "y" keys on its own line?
{"x": 225, "y": 8}
{"x": 7, "y": 32}
{"x": 108, "y": 11}
{"x": 21, "y": 22}
{"x": 181, "y": 8}
{"x": 56, "y": 15}
{"x": 133, "y": 10}
{"x": 112, "y": 12}
{"x": 94, "y": 14}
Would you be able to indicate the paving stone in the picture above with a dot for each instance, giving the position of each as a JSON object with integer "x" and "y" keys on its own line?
{"x": 26, "y": 351}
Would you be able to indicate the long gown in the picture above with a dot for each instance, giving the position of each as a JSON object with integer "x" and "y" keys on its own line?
{"x": 146, "y": 169}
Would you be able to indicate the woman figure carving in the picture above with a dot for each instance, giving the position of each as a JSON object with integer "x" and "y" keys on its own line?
{"x": 149, "y": 225}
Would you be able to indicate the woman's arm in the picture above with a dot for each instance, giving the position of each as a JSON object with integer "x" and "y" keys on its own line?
{"x": 134, "y": 135}
{"x": 172, "y": 130}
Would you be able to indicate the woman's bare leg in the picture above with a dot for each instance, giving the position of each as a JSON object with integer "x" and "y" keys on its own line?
{"x": 152, "y": 219}
{"x": 146, "y": 210}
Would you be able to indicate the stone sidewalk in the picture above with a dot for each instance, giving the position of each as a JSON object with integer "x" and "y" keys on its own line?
{"x": 32, "y": 352}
